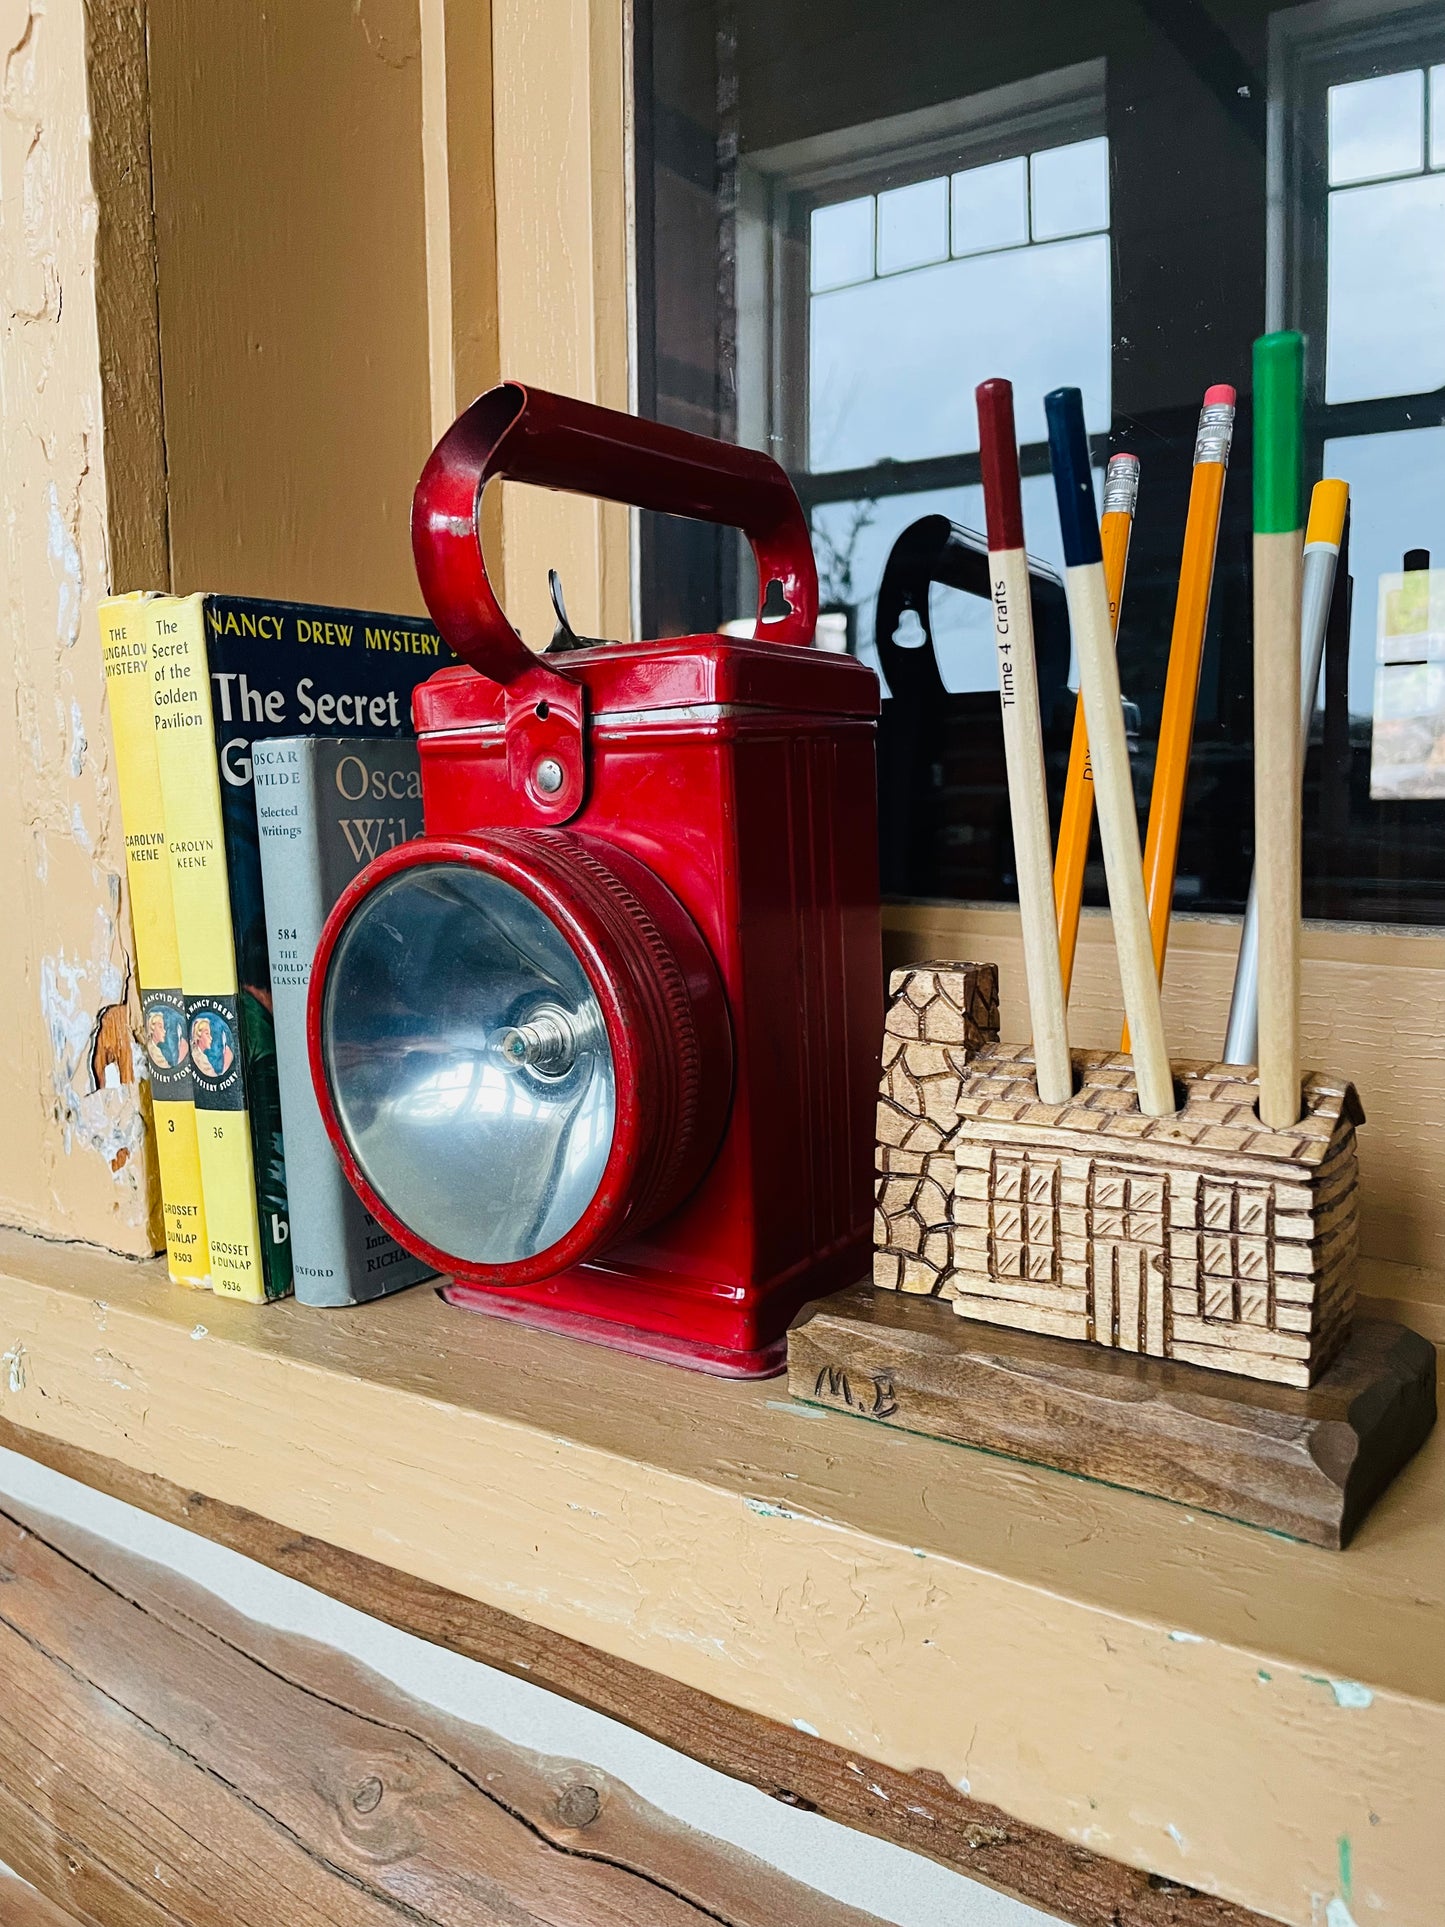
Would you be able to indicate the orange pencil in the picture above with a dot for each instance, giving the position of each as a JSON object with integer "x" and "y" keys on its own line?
{"x": 1121, "y": 492}
{"x": 1186, "y": 653}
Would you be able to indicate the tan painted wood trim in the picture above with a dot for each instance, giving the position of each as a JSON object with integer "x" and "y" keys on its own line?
{"x": 561, "y": 115}
{"x": 1133, "y": 1677}
{"x": 460, "y": 202}
{"x": 1372, "y": 1010}
{"x": 164, "y": 1759}
{"x": 127, "y": 310}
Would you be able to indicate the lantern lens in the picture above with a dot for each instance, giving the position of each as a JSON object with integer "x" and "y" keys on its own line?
{"x": 469, "y": 1063}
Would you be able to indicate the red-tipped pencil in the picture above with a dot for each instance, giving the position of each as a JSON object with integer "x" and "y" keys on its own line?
{"x": 1013, "y": 627}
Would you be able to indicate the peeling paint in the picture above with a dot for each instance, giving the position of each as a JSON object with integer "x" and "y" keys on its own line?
{"x": 14, "y": 1363}
{"x": 1347, "y": 1692}
{"x": 79, "y": 743}
{"x": 95, "y": 1113}
{"x": 1187, "y": 1639}
{"x": 765, "y": 1509}
{"x": 199, "y": 1331}
{"x": 1337, "y": 1914}
{"x": 64, "y": 552}
{"x": 804, "y": 1727}
{"x": 1177, "y": 1837}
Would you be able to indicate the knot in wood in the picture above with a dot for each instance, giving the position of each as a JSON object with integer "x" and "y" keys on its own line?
{"x": 367, "y": 1797}
{"x": 578, "y": 1806}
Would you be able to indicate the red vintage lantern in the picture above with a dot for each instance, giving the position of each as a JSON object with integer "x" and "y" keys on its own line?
{"x": 602, "y": 1044}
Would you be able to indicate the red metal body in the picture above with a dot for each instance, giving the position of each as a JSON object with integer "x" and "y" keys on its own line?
{"x": 711, "y": 855}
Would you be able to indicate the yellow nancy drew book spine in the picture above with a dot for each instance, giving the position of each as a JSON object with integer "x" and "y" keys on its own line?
{"x": 250, "y": 1258}
{"x": 125, "y": 649}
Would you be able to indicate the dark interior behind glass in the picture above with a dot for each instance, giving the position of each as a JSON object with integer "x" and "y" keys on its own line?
{"x": 848, "y": 216}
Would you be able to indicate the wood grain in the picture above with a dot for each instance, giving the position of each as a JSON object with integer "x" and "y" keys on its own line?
{"x": 1029, "y": 816}
{"x": 919, "y": 1811}
{"x": 1119, "y": 833}
{"x": 22, "y": 1906}
{"x": 1305, "y": 1463}
{"x": 164, "y": 1759}
{"x": 1278, "y": 802}
{"x": 1372, "y": 1010}
{"x": 1204, "y": 1238}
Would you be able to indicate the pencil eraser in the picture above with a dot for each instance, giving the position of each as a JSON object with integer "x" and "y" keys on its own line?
{"x": 1221, "y": 395}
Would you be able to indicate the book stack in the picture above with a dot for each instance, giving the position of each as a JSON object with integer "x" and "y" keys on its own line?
{"x": 264, "y": 754}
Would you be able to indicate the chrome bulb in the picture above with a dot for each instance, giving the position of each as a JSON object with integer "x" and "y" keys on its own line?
{"x": 546, "y": 1043}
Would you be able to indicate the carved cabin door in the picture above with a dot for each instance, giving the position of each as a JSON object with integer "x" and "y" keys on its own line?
{"x": 1128, "y": 1268}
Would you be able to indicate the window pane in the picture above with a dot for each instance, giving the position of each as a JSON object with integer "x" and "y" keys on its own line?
{"x": 853, "y": 541}
{"x": 1376, "y": 127}
{"x": 1386, "y": 312}
{"x": 1437, "y": 116}
{"x": 991, "y": 207}
{"x": 1070, "y": 189}
{"x": 841, "y": 243}
{"x": 1397, "y": 502}
{"x": 894, "y": 363}
{"x": 912, "y": 226}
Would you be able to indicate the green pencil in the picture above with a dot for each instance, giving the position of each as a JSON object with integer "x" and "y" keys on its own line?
{"x": 1278, "y": 764}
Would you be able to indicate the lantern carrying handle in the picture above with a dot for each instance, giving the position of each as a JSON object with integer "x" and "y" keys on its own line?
{"x": 528, "y": 435}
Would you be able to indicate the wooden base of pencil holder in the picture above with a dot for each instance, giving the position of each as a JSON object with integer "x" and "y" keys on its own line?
{"x": 1308, "y": 1463}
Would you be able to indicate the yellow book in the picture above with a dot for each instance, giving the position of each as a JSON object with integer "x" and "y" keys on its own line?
{"x": 195, "y": 835}
{"x": 125, "y": 648}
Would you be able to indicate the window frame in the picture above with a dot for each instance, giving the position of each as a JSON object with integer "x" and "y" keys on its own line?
{"x": 1312, "y": 49}
{"x": 779, "y": 188}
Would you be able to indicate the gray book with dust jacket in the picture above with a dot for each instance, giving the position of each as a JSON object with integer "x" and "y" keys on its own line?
{"x": 325, "y": 806}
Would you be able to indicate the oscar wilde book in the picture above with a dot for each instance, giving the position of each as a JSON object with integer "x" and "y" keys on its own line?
{"x": 125, "y": 649}
{"x": 325, "y": 806}
{"x": 230, "y": 670}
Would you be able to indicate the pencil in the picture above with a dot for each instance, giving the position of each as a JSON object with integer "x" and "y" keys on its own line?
{"x": 1186, "y": 653}
{"x": 1324, "y": 538}
{"x": 1121, "y": 493}
{"x": 1109, "y": 752}
{"x": 1023, "y": 737}
{"x": 1278, "y": 783}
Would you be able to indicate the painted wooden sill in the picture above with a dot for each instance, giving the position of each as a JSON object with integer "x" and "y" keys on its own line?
{"x": 1253, "y": 1717}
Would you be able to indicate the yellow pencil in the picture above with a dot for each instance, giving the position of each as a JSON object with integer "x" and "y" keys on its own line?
{"x": 1186, "y": 653}
{"x": 1121, "y": 492}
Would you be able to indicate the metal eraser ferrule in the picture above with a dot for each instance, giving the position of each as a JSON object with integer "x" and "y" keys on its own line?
{"x": 1073, "y": 477}
{"x": 1121, "y": 485}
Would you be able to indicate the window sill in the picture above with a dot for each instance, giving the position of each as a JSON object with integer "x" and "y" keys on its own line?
{"x": 1133, "y": 1677}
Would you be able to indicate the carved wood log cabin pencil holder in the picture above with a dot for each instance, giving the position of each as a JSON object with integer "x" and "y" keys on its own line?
{"x": 1151, "y": 1262}
{"x": 1164, "y": 1303}
{"x": 1204, "y": 1237}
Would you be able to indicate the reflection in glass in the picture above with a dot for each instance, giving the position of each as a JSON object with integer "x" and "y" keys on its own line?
{"x": 841, "y": 243}
{"x": 446, "y": 998}
{"x": 1069, "y": 188}
{"x": 1376, "y": 127}
{"x": 991, "y": 207}
{"x": 912, "y": 226}
{"x": 962, "y": 624}
{"x": 1386, "y": 316}
{"x": 894, "y": 362}
{"x": 1396, "y": 503}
